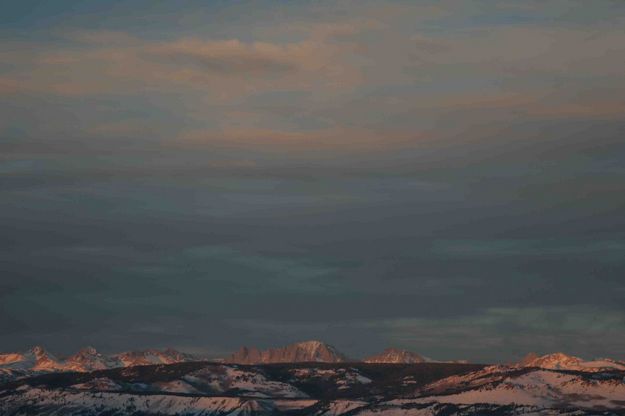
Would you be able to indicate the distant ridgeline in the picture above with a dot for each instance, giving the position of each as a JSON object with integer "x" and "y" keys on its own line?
{"x": 309, "y": 378}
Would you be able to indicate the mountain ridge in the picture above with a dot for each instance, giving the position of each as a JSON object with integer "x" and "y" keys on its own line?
{"x": 315, "y": 388}
{"x": 396, "y": 356}
{"x": 306, "y": 351}
{"x": 39, "y": 360}
{"x": 561, "y": 361}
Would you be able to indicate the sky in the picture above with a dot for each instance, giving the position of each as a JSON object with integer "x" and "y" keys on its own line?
{"x": 445, "y": 177}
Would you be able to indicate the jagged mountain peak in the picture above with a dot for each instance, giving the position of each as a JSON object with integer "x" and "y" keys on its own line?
{"x": 556, "y": 360}
{"x": 153, "y": 356}
{"x": 396, "y": 355}
{"x": 313, "y": 343}
{"x": 305, "y": 351}
{"x": 38, "y": 359}
{"x": 39, "y": 351}
{"x": 87, "y": 352}
{"x": 43, "y": 360}
{"x": 559, "y": 356}
{"x": 89, "y": 359}
{"x": 314, "y": 346}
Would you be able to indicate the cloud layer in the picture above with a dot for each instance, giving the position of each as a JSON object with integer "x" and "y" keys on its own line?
{"x": 370, "y": 173}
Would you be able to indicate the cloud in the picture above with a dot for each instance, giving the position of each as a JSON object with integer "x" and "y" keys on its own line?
{"x": 10, "y": 86}
{"x": 231, "y": 57}
{"x": 596, "y": 109}
{"x": 332, "y": 138}
{"x": 369, "y": 71}
{"x": 101, "y": 37}
{"x": 122, "y": 128}
{"x": 603, "y": 250}
{"x": 587, "y": 331}
{"x": 338, "y": 30}
{"x": 459, "y": 166}
{"x": 118, "y": 63}
{"x": 488, "y": 335}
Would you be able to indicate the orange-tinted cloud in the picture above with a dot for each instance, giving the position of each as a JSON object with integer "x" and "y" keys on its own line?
{"x": 10, "y": 86}
{"x": 332, "y": 138}
{"x": 232, "y": 57}
{"x": 112, "y": 62}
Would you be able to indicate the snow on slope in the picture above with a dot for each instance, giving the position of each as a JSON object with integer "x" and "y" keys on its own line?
{"x": 38, "y": 360}
{"x": 35, "y": 401}
{"x": 231, "y": 379}
{"x": 342, "y": 378}
{"x": 151, "y": 356}
{"x": 560, "y": 361}
{"x": 408, "y": 408}
{"x": 211, "y": 388}
{"x": 62, "y": 403}
{"x": 98, "y": 384}
{"x": 88, "y": 359}
{"x": 339, "y": 407}
{"x": 531, "y": 387}
{"x": 11, "y": 358}
{"x": 176, "y": 386}
{"x": 7, "y": 374}
{"x": 35, "y": 359}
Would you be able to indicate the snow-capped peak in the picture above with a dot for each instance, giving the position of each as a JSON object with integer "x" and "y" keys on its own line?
{"x": 556, "y": 361}
{"x": 306, "y": 351}
{"x": 561, "y": 361}
{"x": 11, "y": 358}
{"x": 37, "y": 359}
{"x": 396, "y": 356}
{"x": 43, "y": 360}
{"x": 152, "y": 356}
{"x": 39, "y": 351}
{"x": 89, "y": 359}
{"x": 317, "y": 350}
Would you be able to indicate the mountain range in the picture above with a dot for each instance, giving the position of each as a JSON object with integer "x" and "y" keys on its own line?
{"x": 305, "y": 378}
{"x": 38, "y": 360}
{"x": 320, "y": 388}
